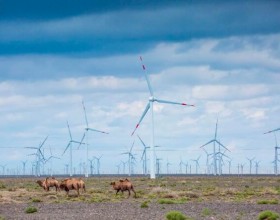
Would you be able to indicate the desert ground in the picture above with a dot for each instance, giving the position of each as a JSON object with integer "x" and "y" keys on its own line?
{"x": 197, "y": 197}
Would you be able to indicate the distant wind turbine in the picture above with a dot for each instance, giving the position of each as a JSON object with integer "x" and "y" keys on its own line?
{"x": 250, "y": 162}
{"x": 98, "y": 164}
{"x": 39, "y": 156}
{"x": 130, "y": 157}
{"x": 24, "y": 165}
{"x": 214, "y": 141}
{"x": 257, "y": 164}
{"x": 70, "y": 150}
{"x": 276, "y": 160}
{"x": 150, "y": 104}
{"x": 87, "y": 128}
{"x": 196, "y": 164}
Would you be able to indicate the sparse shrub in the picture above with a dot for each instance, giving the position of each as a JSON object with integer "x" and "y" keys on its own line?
{"x": 144, "y": 204}
{"x": 271, "y": 202}
{"x": 2, "y": 218}
{"x": 175, "y": 215}
{"x": 268, "y": 215}
{"x": 206, "y": 212}
{"x": 31, "y": 209}
{"x": 36, "y": 200}
{"x": 2, "y": 185}
{"x": 172, "y": 201}
{"x": 12, "y": 189}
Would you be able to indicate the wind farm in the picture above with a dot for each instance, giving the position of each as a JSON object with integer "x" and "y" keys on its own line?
{"x": 211, "y": 158}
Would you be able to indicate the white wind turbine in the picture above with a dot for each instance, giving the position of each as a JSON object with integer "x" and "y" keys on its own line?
{"x": 150, "y": 104}
{"x": 130, "y": 157}
{"x": 98, "y": 164}
{"x": 87, "y": 128}
{"x": 276, "y": 160}
{"x": 250, "y": 162}
{"x": 39, "y": 156}
{"x": 196, "y": 164}
{"x": 70, "y": 150}
{"x": 214, "y": 141}
{"x": 144, "y": 156}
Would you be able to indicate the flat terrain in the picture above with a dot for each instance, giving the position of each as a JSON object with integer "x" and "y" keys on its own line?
{"x": 196, "y": 197}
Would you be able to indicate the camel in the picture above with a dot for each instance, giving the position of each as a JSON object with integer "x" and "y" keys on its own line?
{"x": 123, "y": 185}
{"x": 72, "y": 184}
{"x": 48, "y": 182}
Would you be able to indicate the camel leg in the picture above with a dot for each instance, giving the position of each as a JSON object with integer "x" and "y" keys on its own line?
{"x": 128, "y": 193}
{"x": 134, "y": 193}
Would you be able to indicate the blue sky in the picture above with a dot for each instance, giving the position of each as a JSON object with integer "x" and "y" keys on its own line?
{"x": 221, "y": 56}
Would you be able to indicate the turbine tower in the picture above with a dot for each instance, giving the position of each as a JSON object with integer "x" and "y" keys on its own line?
{"x": 144, "y": 156}
{"x": 130, "y": 157}
{"x": 214, "y": 141}
{"x": 87, "y": 128}
{"x": 250, "y": 162}
{"x": 150, "y": 104}
{"x": 70, "y": 150}
{"x": 276, "y": 160}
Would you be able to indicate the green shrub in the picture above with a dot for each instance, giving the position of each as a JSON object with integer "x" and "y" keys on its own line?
{"x": 36, "y": 200}
{"x": 2, "y": 185}
{"x": 2, "y": 218}
{"x": 144, "y": 205}
{"x": 175, "y": 215}
{"x": 172, "y": 201}
{"x": 272, "y": 202}
{"x": 268, "y": 215}
{"x": 31, "y": 209}
{"x": 206, "y": 212}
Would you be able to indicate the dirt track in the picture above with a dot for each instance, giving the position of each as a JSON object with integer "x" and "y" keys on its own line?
{"x": 129, "y": 210}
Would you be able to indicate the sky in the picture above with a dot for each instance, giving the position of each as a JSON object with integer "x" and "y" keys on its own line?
{"x": 221, "y": 56}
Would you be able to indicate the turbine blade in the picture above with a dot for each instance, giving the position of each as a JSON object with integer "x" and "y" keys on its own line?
{"x": 91, "y": 129}
{"x": 77, "y": 142}
{"x": 141, "y": 141}
{"x": 222, "y": 145}
{"x": 272, "y": 131}
{"x": 43, "y": 142}
{"x": 85, "y": 113}
{"x": 147, "y": 78}
{"x": 170, "y": 102}
{"x": 143, "y": 115}
{"x": 69, "y": 130}
{"x": 144, "y": 151}
{"x": 207, "y": 143}
{"x": 131, "y": 147}
{"x": 66, "y": 148}
{"x": 82, "y": 140}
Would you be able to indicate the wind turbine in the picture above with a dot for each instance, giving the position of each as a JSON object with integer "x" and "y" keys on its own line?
{"x": 24, "y": 165}
{"x": 50, "y": 159}
{"x": 98, "y": 164}
{"x": 167, "y": 166}
{"x": 250, "y": 161}
{"x": 276, "y": 160}
{"x": 214, "y": 141}
{"x": 129, "y": 159}
{"x": 70, "y": 148}
{"x": 124, "y": 166}
{"x": 91, "y": 165}
{"x": 87, "y": 128}
{"x": 3, "y": 169}
{"x": 144, "y": 156}
{"x": 158, "y": 165}
{"x": 150, "y": 104}
{"x": 207, "y": 161}
{"x": 39, "y": 156}
{"x": 257, "y": 164}
{"x": 196, "y": 164}
{"x": 186, "y": 166}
